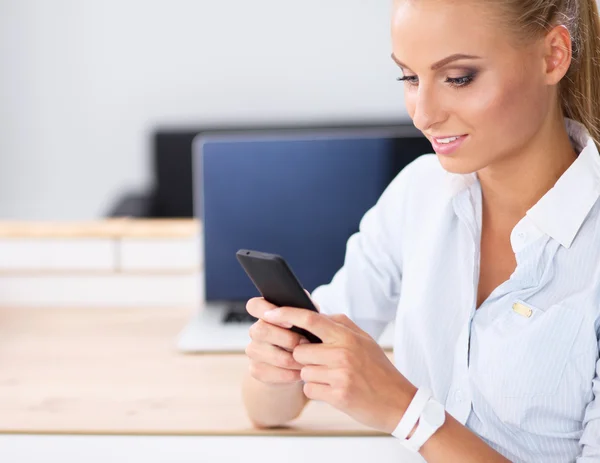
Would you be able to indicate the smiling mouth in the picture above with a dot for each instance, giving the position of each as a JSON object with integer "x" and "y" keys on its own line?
{"x": 449, "y": 139}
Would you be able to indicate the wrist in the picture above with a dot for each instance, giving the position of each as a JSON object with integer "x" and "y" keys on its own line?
{"x": 409, "y": 422}
{"x": 406, "y": 397}
{"x": 432, "y": 417}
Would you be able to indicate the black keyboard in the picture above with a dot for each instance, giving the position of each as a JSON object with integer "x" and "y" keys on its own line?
{"x": 235, "y": 314}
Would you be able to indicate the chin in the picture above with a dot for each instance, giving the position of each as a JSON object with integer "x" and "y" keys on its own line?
{"x": 457, "y": 165}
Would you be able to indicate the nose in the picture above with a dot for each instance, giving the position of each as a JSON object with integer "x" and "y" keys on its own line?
{"x": 427, "y": 109}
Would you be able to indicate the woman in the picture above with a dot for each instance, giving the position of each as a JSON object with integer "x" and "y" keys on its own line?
{"x": 487, "y": 254}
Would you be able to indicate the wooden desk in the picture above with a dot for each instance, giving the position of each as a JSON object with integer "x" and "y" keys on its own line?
{"x": 110, "y": 371}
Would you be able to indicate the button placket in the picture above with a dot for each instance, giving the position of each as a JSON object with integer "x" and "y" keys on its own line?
{"x": 459, "y": 402}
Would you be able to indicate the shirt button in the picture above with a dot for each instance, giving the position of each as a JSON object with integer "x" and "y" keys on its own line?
{"x": 521, "y": 235}
{"x": 458, "y": 395}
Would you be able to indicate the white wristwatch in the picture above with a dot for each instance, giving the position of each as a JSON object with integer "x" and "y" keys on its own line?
{"x": 431, "y": 419}
{"x": 412, "y": 413}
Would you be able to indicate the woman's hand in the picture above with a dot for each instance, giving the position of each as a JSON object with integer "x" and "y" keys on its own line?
{"x": 270, "y": 351}
{"x": 349, "y": 370}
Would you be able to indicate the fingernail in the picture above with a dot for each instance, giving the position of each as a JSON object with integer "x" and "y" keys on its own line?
{"x": 304, "y": 341}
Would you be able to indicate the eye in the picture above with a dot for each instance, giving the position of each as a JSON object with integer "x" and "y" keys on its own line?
{"x": 410, "y": 79}
{"x": 461, "y": 81}
{"x": 455, "y": 82}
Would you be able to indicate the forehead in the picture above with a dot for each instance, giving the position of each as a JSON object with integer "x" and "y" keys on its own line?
{"x": 424, "y": 31}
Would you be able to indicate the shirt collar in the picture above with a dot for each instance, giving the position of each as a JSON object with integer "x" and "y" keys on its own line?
{"x": 562, "y": 210}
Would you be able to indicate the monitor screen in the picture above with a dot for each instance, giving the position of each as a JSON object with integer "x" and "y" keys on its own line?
{"x": 298, "y": 196}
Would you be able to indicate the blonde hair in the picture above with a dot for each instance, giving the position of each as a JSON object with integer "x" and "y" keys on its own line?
{"x": 579, "y": 90}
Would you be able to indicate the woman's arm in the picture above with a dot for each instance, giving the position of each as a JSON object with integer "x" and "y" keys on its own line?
{"x": 351, "y": 372}
{"x": 272, "y": 388}
{"x": 455, "y": 443}
{"x": 272, "y": 405}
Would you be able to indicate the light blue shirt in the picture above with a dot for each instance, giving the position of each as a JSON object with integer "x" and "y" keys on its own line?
{"x": 522, "y": 371}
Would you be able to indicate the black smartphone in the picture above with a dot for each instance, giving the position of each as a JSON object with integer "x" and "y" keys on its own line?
{"x": 276, "y": 282}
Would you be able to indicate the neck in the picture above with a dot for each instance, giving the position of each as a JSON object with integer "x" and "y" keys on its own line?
{"x": 512, "y": 186}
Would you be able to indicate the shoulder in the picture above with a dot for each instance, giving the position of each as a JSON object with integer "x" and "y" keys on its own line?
{"x": 584, "y": 250}
{"x": 426, "y": 164}
{"x": 421, "y": 179}
{"x": 426, "y": 168}
{"x": 414, "y": 198}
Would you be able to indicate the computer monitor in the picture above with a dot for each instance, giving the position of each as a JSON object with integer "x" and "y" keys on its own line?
{"x": 172, "y": 191}
{"x": 300, "y": 194}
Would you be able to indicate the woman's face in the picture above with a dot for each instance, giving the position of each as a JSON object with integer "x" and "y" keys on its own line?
{"x": 499, "y": 100}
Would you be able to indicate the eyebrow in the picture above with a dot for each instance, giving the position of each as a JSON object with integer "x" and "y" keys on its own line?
{"x": 440, "y": 63}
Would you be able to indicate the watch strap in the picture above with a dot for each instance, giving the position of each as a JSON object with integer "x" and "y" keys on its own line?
{"x": 423, "y": 431}
{"x": 412, "y": 413}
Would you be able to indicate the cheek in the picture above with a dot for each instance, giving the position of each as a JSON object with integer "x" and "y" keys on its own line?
{"x": 409, "y": 101}
{"x": 502, "y": 113}
{"x": 506, "y": 114}
{"x": 485, "y": 103}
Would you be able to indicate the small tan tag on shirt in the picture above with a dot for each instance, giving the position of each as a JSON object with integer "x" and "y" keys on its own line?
{"x": 522, "y": 309}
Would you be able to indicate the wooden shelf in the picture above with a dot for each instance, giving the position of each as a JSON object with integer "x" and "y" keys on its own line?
{"x": 108, "y": 228}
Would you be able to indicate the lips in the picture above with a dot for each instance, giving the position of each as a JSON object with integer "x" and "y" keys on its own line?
{"x": 448, "y": 148}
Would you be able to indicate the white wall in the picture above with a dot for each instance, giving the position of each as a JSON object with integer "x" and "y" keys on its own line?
{"x": 82, "y": 82}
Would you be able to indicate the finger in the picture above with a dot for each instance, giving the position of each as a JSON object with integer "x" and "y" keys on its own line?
{"x": 321, "y": 354}
{"x": 273, "y": 375}
{"x": 272, "y": 355}
{"x": 262, "y": 331}
{"x": 318, "y": 374}
{"x": 315, "y": 323}
{"x": 316, "y": 391}
{"x": 258, "y": 306}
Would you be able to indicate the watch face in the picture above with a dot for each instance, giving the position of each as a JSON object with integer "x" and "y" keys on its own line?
{"x": 434, "y": 413}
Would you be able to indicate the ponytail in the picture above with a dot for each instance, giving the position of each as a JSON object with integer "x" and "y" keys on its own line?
{"x": 579, "y": 90}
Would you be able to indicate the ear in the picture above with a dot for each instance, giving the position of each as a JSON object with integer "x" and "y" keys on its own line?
{"x": 557, "y": 54}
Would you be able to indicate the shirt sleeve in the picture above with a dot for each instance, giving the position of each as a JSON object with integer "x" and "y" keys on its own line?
{"x": 590, "y": 439}
{"x": 367, "y": 287}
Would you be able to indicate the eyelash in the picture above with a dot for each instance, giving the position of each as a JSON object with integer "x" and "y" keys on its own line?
{"x": 457, "y": 82}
